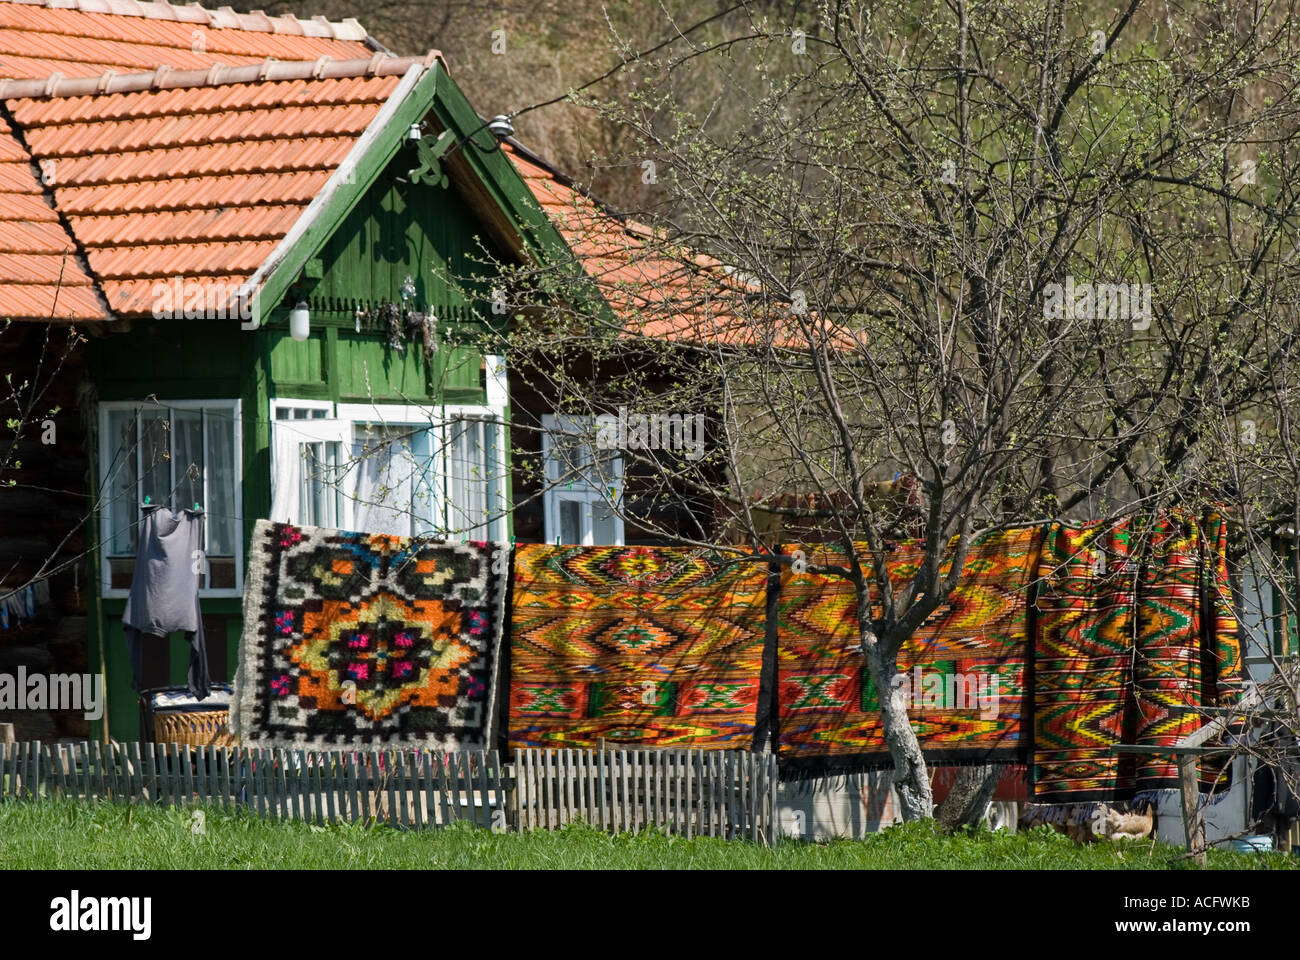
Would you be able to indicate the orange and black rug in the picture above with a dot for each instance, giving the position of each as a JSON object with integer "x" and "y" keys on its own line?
{"x": 363, "y": 639}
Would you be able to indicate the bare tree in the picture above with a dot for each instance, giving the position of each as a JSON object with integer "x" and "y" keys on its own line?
{"x": 1033, "y": 256}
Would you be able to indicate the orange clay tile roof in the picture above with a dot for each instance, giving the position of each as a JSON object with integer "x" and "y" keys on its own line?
{"x": 165, "y": 140}
{"x": 176, "y": 141}
{"x": 658, "y": 289}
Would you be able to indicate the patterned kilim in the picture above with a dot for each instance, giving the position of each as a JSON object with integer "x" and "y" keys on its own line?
{"x": 1167, "y": 654}
{"x": 1135, "y": 632}
{"x": 352, "y": 638}
{"x": 652, "y": 646}
{"x": 1082, "y": 661}
{"x": 964, "y": 669}
{"x": 1221, "y": 663}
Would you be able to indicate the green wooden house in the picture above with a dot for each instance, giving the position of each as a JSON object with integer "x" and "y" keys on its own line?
{"x": 282, "y": 271}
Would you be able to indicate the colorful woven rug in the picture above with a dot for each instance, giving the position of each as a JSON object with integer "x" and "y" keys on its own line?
{"x": 1083, "y": 656}
{"x": 652, "y": 646}
{"x": 351, "y": 639}
{"x": 964, "y": 669}
{"x": 1135, "y": 634}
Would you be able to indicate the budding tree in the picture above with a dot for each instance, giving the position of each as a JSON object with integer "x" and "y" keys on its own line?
{"x": 1007, "y": 253}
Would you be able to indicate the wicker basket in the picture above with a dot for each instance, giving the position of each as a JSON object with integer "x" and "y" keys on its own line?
{"x": 198, "y": 728}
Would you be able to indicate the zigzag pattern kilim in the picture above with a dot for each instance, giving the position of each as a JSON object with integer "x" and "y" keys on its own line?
{"x": 651, "y": 646}
{"x": 965, "y": 666}
{"x": 1135, "y": 633}
{"x": 1082, "y": 660}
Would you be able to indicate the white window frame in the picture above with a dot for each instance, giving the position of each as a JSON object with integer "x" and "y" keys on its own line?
{"x": 341, "y": 420}
{"x": 106, "y": 459}
{"x": 326, "y": 429}
{"x": 583, "y": 490}
{"x": 494, "y": 418}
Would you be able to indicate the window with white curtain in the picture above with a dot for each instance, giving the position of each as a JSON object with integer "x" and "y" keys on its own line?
{"x": 433, "y": 471}
{"x": 583, "y": 484}
{"x": 146, "y": 451}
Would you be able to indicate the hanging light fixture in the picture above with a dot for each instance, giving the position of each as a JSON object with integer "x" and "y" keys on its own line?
{"x": 300, "y": 321}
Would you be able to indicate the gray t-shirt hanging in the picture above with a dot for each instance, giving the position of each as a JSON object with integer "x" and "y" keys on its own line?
{"x": 165, "y": 587}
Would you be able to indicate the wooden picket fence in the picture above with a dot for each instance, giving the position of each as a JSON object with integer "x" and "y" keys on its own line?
{"x": 688, "y": 792}
{"x": 414, "y": 789}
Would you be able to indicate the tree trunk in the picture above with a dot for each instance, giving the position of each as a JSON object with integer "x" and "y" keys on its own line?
{"x": 969, "y": 798}
{"x": 911, "y": 778}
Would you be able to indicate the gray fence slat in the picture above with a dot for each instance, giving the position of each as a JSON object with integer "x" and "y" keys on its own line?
{"x": 160, "y": 772}
{"x": 84, "y": 785}
{"x": 545, "y": 799}
{"x": 306, "y": 770}
{"x": 262, "y": 782}
{"x": 389, "y": 780}
{"x": 440, "y": 785}
{"x": 733, "y": 791}
{"x": 96, "y": 768}
{"x": 289, "y": 779}
{"x": 564, "y": 786}
{"x": 519, "y": 794}
{"x": 295, "y": 775}
{"x": 587, "y": 795}
{"x": 152, "y": 752}
{"x": 485, "y": 801}
{"x": 535, "y": 801}
{"x": 365, "y": 770}
{"x": 316, "y": 787}
{"x": 58, "y": 779}
{"x": 331, "y": 786}
{"x": 746, "y": 792}
{"x": 397, "y": 776}
{"x": 173, "y": 766}
{"x": 353, "y": 801}
{"x": 465, "y": 789}
{"x": 135, "y": 771}
{"x": 108, "y": 759}
{"x": 201, "y": 774}
{"x": 644, "y": 815}
{"x": 164, "y": 777}
{"x": 217, "y": 774}
{"x": 560, "y": 785}
{"x": 537, "y": 762}
{"x": 501, "y": 803}
{"x": 661, "y": 788}
{"x": 265, "y": 781}
{"x": 187, "y": 771}
{"x": 690, "y": 794}
{"x": 430, "y": 793}
{"x": 601, "y": 808}
{"x": 271, "y": 785}
{"x": 283, "y": 764}
{"x": 78, "y": 772}
{"x": 627, "y": 760}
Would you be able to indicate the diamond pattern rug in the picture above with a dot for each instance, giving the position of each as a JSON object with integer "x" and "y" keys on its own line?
{"x": 352, "y": 638}
{"x": 645, "y": 646}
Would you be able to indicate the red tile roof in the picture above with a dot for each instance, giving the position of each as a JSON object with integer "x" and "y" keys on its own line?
{"x": 171, "y": 144}
{"x": 171, "y": 140}
{"x": 655, "y": 287}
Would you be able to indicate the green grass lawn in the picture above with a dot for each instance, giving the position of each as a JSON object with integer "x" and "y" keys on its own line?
{"x": 67, "y": 835}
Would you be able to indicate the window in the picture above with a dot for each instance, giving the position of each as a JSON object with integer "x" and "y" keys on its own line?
{"x": 475, "y": 479}
{"x": 582, "y": 484}
{"x": 389, "y": 468}
{"x": 147, "y": 450}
